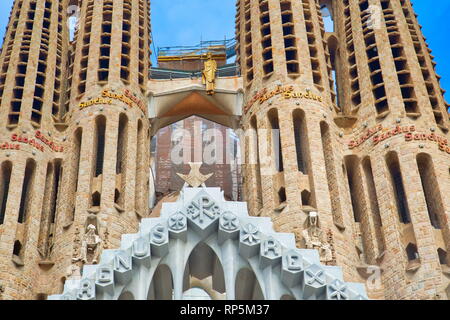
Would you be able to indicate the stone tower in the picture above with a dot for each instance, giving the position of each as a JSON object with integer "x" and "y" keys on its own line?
{"x": 397, "y": 156}
{"x": 32, "y": 90}
{"x": 109, "y": 61}
{"x": 289, "y": 111}
{"x": 372, "y": 158}
{"x": 55, "y": 179}
{"x": 107, "y": 178}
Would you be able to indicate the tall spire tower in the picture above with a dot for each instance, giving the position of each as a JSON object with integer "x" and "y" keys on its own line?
{"x": 397, "y": 157}
{"x": 108, "y": 118}
{"x": 289, "y": 110}
{"x": 33, "y": 65}
{"x": 369, "y": 153}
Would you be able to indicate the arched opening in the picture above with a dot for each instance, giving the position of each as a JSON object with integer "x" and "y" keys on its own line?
{"x": 443, "y": 257}
{"x": 411, "y": 252}
{"x": 17, "y": 249}
{"x": 431, "y": 189}
{"x": 374, "y": 206}
{"x": 333, "y": 49}
{"x": 301, "y": 140}
{"x": 282, "y": 195}
{"x": 100, "y": 129}
{"x": 122, "y": 144}
{"x": 355, "y": 187}
{"x": 27, "y": 189}
{"x": 5, "y": 172}
{"x": 276, "y": 149}
{"x": 96, "y": 199}
{"x": 306, "y": 198}
{"x": 247, "y": 286}
{"x": 161, "y": 287}
{"x": 116, "y": 196}
{"x": 326, "y": 9}
{"x": 393, "y": 165}
{"x": 360, "y": 208}
{"x": 126, "y": 296}
{"x": 204, "y": 270}
{"x": 48, "y": 216}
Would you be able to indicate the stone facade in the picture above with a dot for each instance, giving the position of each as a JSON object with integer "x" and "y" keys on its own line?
{"x": 372, "y": 158}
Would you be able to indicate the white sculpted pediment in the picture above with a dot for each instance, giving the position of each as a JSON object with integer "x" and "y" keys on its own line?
{"x": 201, "y": 218}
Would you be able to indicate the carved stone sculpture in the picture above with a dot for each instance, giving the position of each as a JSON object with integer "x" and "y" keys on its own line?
{"x": 90, "y": 246}
{"x": 77, "y": 245}
{"x": 209, "y": 74}
{"x": 314, "y": 238}
{"x": 73, "y": 272}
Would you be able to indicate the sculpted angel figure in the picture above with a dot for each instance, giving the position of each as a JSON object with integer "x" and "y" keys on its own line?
{"x": 313, "y": 237}
{"x": 209, "y": 74}
{"x": 90, "y": 245}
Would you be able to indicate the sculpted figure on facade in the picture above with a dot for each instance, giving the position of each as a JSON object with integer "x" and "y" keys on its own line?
{"x": 209, "y": 74}
{"x": 314, "y": 238}
{"x": 90, "y": 246}
{"x": 45, "y": 247}
{"x": 73, "y": 272}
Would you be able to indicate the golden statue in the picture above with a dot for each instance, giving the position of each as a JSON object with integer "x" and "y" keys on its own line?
{"x": 209, "y": 74}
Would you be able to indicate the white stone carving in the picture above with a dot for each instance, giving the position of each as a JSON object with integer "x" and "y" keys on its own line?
{"x": 239, "y": 241}
{"x": 314, "y": 238}
{"x": 90, "y": 245}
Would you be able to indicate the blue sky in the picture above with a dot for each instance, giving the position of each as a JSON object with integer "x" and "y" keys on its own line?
{"x": 174, "y": 23}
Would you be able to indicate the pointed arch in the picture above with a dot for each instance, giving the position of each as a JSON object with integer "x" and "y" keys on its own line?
{"x": 161, "y": 287}
{"x": 210, "y": 266}
{"x": 127, "y": 295}
{"x": 247, "y": 286}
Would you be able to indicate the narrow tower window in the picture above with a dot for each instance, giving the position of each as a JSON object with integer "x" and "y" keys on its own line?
{"x": 327, "y": 18}
{"x": 266, "y": 38}
{"x": 4, "y": 188}
{"x": 254, "y": 126}
{"x": 300, "y": 141}
{"x": 398, "y": 187}
{"x": 277, "y": 151}
{"x": 122, "y": 143}
{"x": 121, "y": 163}
{"x": 26, "y": 190}
{"x": 100, "y": 124}
{"x": 374, "y": 206}
{"x": 431, "y": 189}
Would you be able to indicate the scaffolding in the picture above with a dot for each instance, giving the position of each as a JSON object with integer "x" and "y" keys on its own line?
{"x": 220, "y": 49}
